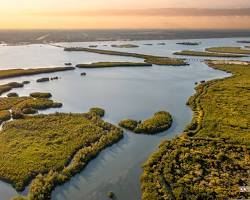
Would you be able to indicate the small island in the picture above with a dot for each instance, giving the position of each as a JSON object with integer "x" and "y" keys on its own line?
{"x": 113, "y": 64}
{"x": 43, "y": 95}
{"x": 124, "y": 46}
{"x": 208, "y": 54}
{"x": 10, "y": 73}
{"x": 159, "y": 122}
{"x": 236, "y": 50}
{"x": 157, "y": 60}
{"x": 9, "y": 86}
{"x": 244, "y": 41}
{"x": 189, "y": 43}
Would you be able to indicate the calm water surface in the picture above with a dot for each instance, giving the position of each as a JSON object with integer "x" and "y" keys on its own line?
{"x": 135, "y": 92}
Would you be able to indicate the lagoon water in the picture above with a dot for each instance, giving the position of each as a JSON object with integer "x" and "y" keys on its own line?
{"x": 135, "y": 92}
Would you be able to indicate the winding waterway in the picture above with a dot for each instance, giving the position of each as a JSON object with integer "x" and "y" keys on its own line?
{"x": 135, "y": 92}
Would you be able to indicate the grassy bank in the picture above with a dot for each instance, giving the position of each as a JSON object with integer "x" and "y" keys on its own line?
{"x": 159, "y": 122}
{"x": 157, "y": 60}
{"x": 207, "y": 54}
{"x": 124, "y": 46}
{"x": 236, "y": 50}
{"x": 112, "y": 64}
{"x": 27, "y": 72}
{"x": 211, "y": 160}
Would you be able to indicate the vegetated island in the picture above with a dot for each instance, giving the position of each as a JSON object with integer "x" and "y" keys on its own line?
{"x": 244, "y": 41}
{"x": 211, "y": 160}
{"x": 189, "y": 43}
{"x": 159, "y": 122}
{"x": 113, "y": 64}
{"x": 9, "y": 86}
{"x": 43, "y": 95}
{"x": 9, "y": 73}
{"x": 207, "y": 54}
{"x": 157, "y": 60}
{"x": 48, "y": 149}
{"x": 236, "y": 50}
{"x": 124, "y": 46}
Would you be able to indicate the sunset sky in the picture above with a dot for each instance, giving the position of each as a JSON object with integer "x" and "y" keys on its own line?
{"x": 110, "y": 14}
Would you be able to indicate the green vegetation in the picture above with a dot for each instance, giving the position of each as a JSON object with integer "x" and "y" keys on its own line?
{"x": 9, "y": 86}
{"x": 27, "y": 72}
{"x": 125, "y": 46}
{"x": 26, "y": 82}
{"x": 207, "y": 54}
{"x": 51, "y": 149}
{"x": 189, "y": 43}
{"x": 161, "y": 43}
{"x": 4, "y": 115}
{"x": 129, "y": 124}
{"x": 12, "y": 94}
{"x": 22, "y": 105}
{"x": 211, "y": 160}
{"x": 159, "y": 122}
{"x": 112, "y": 64}
{"x": 45, "y": 79}
{"x": 244, "y": 41}
{"x": 111, "y": 195}
{"x": 44, "y": 95}
{"x": 236, "y": 50}
{"x": 157, "y": 60}
{"x": 98, "y": 111}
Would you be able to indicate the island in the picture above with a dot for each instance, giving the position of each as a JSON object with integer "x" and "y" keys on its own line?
{"x": 113, "y": 64}
{"x": 208, "y": 54}
{"x": 9, "y": 73}
{"x": 189, "y": 43}
{"x": 211, "y": 159}
{"x": 43, "y": 95}
{"x": 157, "y": 60}
{"x": 124, "y": 46}
{"x": 159, "y": 122}
{"x": 236, "y": 50}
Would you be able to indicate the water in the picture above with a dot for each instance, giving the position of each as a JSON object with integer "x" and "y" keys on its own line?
{"x": 135, "y": 92}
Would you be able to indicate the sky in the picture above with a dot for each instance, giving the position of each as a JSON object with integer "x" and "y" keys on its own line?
{"x": 116, "y": 14}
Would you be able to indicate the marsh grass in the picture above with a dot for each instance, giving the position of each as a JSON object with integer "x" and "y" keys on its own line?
{"x": 208, "y": 54}
{"x": 112, "y": 64}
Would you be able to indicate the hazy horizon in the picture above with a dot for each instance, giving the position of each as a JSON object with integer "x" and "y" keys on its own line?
{"x": 111, "y": 14}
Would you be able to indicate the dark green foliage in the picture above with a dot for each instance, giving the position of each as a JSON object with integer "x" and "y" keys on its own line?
{"x": 196, "y": 168}
{"x": 207, "y": 54}
{"x": 9, "y": 86}
{"x": 158, "y": 60}
{"x": 46, "y": 79}
{"x": 44, "y": 95}
{"x": 4, "y": 116}
{"x": 236, "y": 50}
{"x": 160, "y": 121}
{"x": 112, "y": 64}
{"x": 26, "y": 82}
{"x": 111, "y": 195}
{"x": 26, "y": 72}
{"x": 12, "y": 94}
{"x": 189, "y": 43}
{"x": 124, "y": 46}
{"x": 97, "y": 111}
{"x": 56, "y": 145}
{"x": 212, "y": 158}
{"x": 129, "y": 124}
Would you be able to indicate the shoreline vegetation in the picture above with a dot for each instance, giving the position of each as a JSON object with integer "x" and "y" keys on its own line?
{"x": 159, "y": 122}
{"x": 124, "y": 46}
{"x": 113, "y": 64}
{"x": 9, "y": 86}
{"x": 208, "y": 54}
{"x": 75, "y": 138}
{"x": 11, "y": 73}
{"x": 189, "y": 43}
{"x": 235, "y": 50}
{"x": 157, "y": 60}
{"x": 244, "y": 41}
{"x": 211, "y": 159}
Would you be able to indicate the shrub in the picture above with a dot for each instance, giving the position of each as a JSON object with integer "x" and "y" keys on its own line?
{"x": 44, "y": 95}
{"x": 129, "y": 124}
{"x": 12, "y": 94}
{"x": 98, "y": 111}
